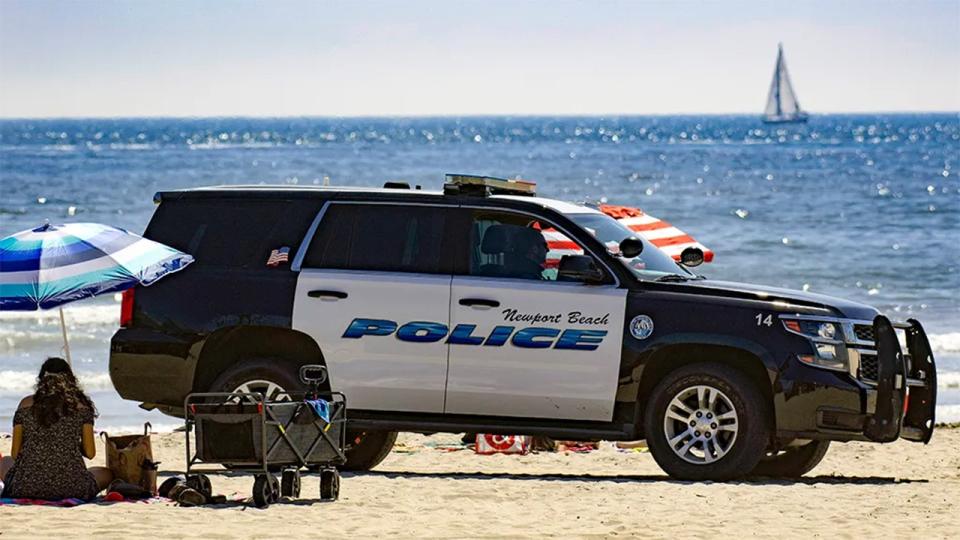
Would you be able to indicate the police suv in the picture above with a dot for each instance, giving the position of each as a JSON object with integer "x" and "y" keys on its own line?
{"x": 442, "y": 312}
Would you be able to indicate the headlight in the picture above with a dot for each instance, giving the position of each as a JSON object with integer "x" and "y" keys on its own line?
{"x": 827, "y": 340}
{"x": 813, "y": 329}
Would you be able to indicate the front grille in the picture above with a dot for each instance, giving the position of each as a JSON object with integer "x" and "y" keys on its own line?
{"x": 864, "y": 332}
{"x": 869, "y": 367}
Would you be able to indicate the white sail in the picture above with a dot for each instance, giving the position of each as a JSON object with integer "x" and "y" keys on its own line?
{"x": 782, "y": 104}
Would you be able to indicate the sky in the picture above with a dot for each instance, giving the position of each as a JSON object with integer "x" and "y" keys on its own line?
{"x": 416, "y": 57}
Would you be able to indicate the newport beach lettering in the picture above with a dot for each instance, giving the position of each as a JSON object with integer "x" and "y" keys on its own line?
{"x": 573, "y": 317}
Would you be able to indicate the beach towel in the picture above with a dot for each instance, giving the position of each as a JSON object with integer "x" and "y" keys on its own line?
{"x": 65, "y": 503}
{"x": 321, "y": 407}
{"x": 69, "y": 503}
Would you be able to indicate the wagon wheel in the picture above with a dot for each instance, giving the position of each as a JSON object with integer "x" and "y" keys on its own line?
{"x": 262, "y": 491}
{"x": 329, "y": 484}
{"x": 290, "y": 483}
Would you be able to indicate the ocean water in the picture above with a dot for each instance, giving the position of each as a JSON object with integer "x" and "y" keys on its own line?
{"x": 865, "y": 207}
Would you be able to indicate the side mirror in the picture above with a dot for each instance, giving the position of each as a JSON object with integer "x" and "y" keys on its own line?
{"x": 630, "y": 247}
{"x": 691, "y": 257}
{"x": 579, "y": 268}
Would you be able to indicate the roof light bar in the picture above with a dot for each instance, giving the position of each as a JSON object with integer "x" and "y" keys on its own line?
{"x": 467, "y": 184}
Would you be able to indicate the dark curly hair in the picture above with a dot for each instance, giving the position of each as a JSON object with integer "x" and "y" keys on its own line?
{"x": 58, "y": 393}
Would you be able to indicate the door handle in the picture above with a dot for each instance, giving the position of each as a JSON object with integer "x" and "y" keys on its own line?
{"x": 328, "y": 295}
{"x": 479, "y": 302}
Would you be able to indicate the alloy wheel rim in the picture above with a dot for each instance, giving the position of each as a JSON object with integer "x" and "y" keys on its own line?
{"x": 270, "y": 390}
{"x": 700, "y": 424}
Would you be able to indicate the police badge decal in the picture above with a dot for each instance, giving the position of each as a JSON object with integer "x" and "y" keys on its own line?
{"x": 641, "y": 327}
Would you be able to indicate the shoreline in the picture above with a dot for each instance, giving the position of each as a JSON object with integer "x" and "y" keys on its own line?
{"x": 424, "y": 490}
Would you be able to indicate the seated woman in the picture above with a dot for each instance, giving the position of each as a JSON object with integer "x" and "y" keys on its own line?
{"x": 52, "y": 433}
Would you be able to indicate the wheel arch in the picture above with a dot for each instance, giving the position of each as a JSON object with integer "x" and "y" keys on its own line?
{"x": 746, "y": 358}
{"x": 225, "y": 347}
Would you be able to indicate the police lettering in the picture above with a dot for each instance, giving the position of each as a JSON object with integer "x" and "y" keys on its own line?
{"x": 532, "y": 337}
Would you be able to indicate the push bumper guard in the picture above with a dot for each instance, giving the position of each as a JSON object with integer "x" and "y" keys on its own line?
{"x": 906, "y": 385}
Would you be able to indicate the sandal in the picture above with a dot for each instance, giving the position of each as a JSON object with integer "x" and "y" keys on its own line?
{"x": 186, "y": 496}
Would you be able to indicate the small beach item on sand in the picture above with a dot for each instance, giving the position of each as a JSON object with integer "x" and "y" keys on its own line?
{"x": 52, "y": 265}
{"x": 577, "y": 447}
{"x": 130, "y": 459}
{"x": 502, "y": 444}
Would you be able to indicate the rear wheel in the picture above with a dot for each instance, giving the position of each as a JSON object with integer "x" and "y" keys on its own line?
{"x": 366, "y": 449}
{"x": 269, "y": 377}
{"x": 706, "y": 422}
{"x": 792, "y": 462}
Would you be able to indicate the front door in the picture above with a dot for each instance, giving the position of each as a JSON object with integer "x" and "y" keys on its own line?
{"x": 521, "y": 342}
{"x": 369, "y": 271}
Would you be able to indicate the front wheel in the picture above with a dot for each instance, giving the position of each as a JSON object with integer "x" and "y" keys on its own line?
{"x": 793, "y": 462}
{"x": 706, "y": 422}
{"x": 366, "y": 449}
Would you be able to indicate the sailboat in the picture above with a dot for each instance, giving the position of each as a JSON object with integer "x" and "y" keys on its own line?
{"x": 782, "y": 105}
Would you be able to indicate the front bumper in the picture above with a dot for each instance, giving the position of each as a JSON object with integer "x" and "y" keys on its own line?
{"x": 906, "y": 385}
{"x": 888, "y": 393}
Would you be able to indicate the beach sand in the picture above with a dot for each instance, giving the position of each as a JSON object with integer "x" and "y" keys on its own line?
{"x": 859, "y": 490}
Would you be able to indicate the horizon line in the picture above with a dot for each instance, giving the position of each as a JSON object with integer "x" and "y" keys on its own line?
{"x": 455, "y": 116}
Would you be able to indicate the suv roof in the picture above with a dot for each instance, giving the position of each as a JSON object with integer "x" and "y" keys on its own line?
{"x": 553, "y": 204}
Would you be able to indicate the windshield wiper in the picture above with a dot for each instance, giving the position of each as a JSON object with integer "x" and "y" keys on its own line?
{"x": 673, "y": 278}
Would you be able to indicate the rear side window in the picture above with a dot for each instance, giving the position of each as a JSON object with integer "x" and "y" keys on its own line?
{"x": 231, "y": 232}
{"x": 383, "y": 238}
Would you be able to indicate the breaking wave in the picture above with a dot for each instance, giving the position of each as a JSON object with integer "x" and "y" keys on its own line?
{"x": 20, "y": 383}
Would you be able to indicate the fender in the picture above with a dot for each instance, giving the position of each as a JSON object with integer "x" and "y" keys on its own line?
{"x": 639, "y": 356}
{"x": 635, "y": 358}
{"x": 224, "y": 347}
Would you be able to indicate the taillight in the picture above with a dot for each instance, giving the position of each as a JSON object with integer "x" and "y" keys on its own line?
{"x": 126, "y": 308}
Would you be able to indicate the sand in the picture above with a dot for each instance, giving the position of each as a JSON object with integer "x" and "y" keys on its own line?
{"x": 860, "y": 490}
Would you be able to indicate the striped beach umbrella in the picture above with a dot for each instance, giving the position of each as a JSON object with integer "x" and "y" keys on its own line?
{"x": 660, "y": 233}
{"x": 52, "y": 265}
{"x": 665, "y": 236}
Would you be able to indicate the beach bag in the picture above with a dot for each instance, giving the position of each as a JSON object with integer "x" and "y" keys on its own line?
{"x": 130, "y": 458}
{"x": 502, "y": 444}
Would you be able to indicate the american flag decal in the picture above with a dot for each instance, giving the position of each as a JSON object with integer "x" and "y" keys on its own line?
{"x": 278, "y": 256}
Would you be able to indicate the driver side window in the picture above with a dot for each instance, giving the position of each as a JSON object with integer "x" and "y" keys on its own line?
{"x": 516, "y": 246}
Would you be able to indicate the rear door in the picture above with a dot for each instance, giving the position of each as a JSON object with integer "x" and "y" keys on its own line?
{"x": 369, "y": 270}
{"x": 521, "y": 342}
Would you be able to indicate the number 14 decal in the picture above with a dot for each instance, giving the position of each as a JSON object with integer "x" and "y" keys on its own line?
{"x": 764, "y": 321}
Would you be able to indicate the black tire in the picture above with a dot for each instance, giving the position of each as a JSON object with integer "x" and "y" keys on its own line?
{"x": 793, "y": 462}
{"x": 276, "y": 371}
{"x": 290, "y": 483}
{"x": 744, "y": 447}
{"x": 329, "y": 484}
{"x": 263, "y": 491}
{"x": 366, "y": 449}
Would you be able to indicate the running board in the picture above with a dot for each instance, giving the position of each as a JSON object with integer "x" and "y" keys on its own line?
{"x": 579, "y": 431}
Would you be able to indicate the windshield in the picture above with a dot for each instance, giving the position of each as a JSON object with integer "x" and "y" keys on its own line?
{"x": 650, "y": 264}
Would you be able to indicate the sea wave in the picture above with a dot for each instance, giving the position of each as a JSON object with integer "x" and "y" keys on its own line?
{"x": 950, "y": 379}
{"x": 945, "y": 343}
{"x": 948, "y": 414}
{"x": 75, "y": 314}
{"x": 20, "y": 383}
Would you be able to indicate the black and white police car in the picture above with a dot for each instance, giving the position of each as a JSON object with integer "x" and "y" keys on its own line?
{"x": 438, "y": 312}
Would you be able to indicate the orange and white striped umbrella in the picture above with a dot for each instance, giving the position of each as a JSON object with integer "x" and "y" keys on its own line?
{"x": 658, "y": 232}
